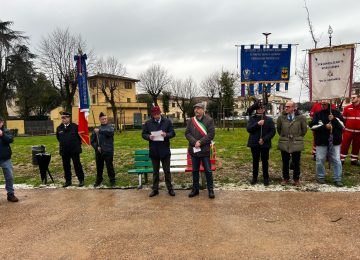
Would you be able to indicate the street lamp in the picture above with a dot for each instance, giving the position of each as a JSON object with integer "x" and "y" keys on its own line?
{"x": 266, "y": 37}
{"x": 330, "y": 31}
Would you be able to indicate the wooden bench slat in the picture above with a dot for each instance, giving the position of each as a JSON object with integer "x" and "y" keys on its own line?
{"x": 141, "y": 158}
{"x": 174, "y": 170}
{"x": 140, "y": 170}
{"x": 143, "y": 164}
{"x": 141, "y": 152}
{"x": 177, "y": 163}
{"x": 178, "y": 151}
{"x": 178, "y": 157}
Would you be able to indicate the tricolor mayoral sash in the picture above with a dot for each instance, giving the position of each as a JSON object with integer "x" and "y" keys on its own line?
{"x": 203, "y": 130}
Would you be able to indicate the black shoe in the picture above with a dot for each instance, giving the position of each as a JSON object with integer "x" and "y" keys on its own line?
{"x": 171, "y": 192}
{"x": 97, "y": 184}
{"x": 81, "y": 183}
{"x": 339, "y": 184}
{"x": 266, "y": 182}
{"x": 153, "y": 193}
{"x": 67, "y": 184}
{"x": 193, "y": 193}
{"x": 357, "y": 163}
{"x": 320, "y": 180}
{"x": 12, "y": 198}
{"x": 211, "y": 194}
{"x": 112, "y": 184}
{"x": 253, "y": 181}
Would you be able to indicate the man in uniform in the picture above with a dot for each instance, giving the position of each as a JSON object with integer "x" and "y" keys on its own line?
{"x": 102, "y": 140}
{"x": 70, "y": 148}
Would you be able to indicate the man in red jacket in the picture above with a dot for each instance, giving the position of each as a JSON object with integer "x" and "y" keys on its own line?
{"x": 351, "y": 132}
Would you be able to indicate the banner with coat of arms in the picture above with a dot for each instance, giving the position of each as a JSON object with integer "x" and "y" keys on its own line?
{"x": 265, "y": 64}
{"x": 331, "y": 72}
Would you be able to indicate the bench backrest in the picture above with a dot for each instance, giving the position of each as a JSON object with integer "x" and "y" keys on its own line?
{"x": 180, "y": 159}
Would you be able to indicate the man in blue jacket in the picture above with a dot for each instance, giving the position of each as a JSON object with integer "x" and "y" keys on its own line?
{"x": 5, "y": 163}
{"x": 158, "y": 131}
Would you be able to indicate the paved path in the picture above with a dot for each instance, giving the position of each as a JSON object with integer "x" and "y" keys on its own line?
{"x": 121, "y": 224}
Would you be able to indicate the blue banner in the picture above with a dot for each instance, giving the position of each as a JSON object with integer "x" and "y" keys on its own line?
{"x": 82, "y": 82}
{"x": 265, "y": 64}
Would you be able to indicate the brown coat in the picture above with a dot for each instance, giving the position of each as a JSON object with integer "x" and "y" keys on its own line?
{"x": 193, "y": 135}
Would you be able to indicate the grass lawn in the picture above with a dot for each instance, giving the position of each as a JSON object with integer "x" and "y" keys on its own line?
{"x": 234, "y": 159}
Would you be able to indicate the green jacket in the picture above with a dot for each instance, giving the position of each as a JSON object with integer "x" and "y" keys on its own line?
{"x": 291, "y": 133}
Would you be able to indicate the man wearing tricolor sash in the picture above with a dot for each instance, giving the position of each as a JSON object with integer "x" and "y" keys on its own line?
{"x": 200, "y": 132}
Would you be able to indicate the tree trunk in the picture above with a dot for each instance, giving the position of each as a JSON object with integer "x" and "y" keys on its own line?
{"x": 114, "y": 110}
{"x": 184, "y": 116}
{"x": 155, "y": 100}
{"x": 3, "y": 108}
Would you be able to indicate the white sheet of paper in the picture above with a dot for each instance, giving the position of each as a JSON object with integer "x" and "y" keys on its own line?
{"x": 196, "y": 150}
{"x": 157, "y": 136}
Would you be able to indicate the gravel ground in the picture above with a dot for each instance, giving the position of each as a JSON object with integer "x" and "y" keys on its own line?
{"x": 86, "y": 223}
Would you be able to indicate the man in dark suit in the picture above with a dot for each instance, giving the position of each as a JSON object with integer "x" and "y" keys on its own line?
{"x": 70, "y": 148}
{"x": 158, "y": 131}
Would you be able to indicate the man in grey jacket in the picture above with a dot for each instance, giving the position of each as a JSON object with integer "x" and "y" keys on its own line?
{"x": 5, "y": 163}
{"x": 102, "y": 140}
{"x": 200, "y": 132}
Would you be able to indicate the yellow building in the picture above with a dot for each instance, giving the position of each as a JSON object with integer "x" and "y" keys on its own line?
{"x": 124, "y": 92}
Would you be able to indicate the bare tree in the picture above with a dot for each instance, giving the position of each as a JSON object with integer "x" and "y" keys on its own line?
{"x": 184, "y": 94}
{"x": 211, "y": 86}
{"x": 113, "y": 67}
{"x": 154, "y": 80}
{"x": 56, "y": 54}
{"x": 311, "y": 28}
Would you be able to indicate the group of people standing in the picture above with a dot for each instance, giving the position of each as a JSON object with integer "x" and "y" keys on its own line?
{"x": 330, "y": 127}
{"x": 200, "y": 132}
{"x": 333, "y": 134}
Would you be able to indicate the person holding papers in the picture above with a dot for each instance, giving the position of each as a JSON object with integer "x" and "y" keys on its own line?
{"x": 200, "y": 132}
{"x": 158, "y": 131}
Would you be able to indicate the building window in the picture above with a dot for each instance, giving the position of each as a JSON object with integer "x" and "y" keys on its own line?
{"x": 128, "y": 85}
{"x": 93, "y": 84}
{"x": 129, "y": 100}
{"x": 145, "y": 116}
{"x": 93, "y": 99}
{"x": 173, "y": 104}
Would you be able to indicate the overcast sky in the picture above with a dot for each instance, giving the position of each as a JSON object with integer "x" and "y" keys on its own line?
{"x": 187, "y": 37}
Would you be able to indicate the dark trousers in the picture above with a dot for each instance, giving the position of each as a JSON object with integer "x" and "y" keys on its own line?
{"x": 108, "y": 160}
{"x": 195, "y": 172}
{"x": 295, "y": 158}
{"x": 264, "y": 153}
{"x": 77, "y": 165}
{"x": 165, "y": 162}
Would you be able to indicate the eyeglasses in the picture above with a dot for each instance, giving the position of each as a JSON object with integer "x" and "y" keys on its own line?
{"x": 287, "y": 106}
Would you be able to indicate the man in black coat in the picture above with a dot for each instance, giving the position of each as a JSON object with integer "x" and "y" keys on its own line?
{"x": 102, "y": 140}
{"x": 328, "y": 125}
{"x": 200, "y": 133}
{"x": 6, "y": 139}
{"x": 70, "y": 148}
{"x": 261, "y": 129}
{"x": 158, "y": 131}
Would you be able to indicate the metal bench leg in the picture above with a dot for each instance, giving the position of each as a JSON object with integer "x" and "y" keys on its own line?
{"x": 140, "y": 181}
{"x": 146, "y": 178}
